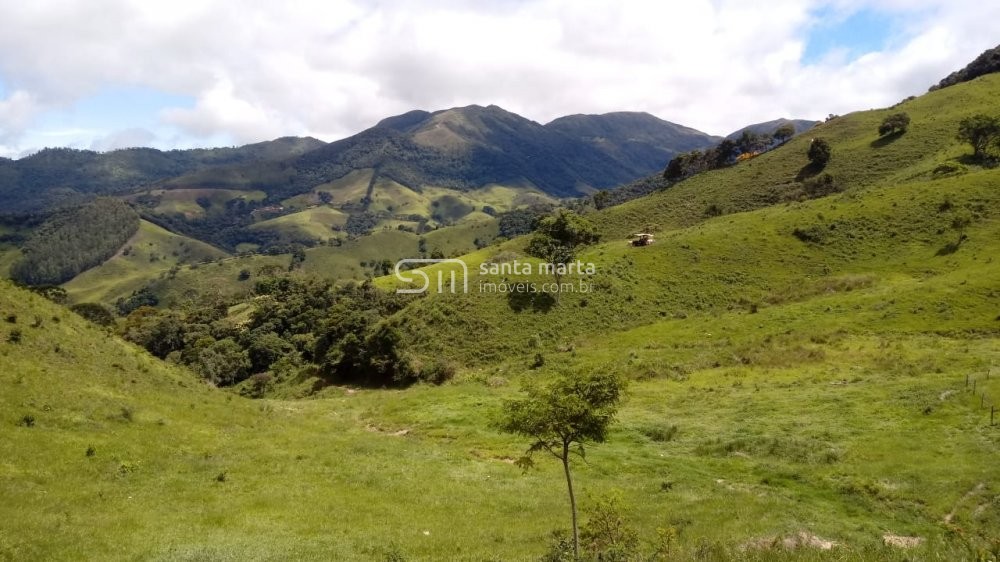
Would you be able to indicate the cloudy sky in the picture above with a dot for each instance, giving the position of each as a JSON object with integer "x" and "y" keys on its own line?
{"x": 104, "y": 74}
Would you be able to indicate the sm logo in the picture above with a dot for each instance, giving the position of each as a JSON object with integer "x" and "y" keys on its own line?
{"x": 444, "y": 277}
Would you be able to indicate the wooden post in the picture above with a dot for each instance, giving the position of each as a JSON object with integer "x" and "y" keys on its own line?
{"x": 966, "y": 381}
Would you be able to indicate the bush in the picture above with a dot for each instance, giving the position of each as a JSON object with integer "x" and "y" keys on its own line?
{"x": 812, "y": 234}
{"x": 438, "y": 372}
{"x": 660, "y": 433}
{"x": 895, "y": 123}
{"x": 819, "y": 152}
{"x": 14, "y": 337}
{"x": 27, "y": 420}
{"x": 713, "y": 210}
{"x": 950, "y": 168}
{"x": 93, "y": 312}
{"x": 821, "y": 186}
{"x": 608, "y": 534}
{"x": 560, "y": 547}
{"x": 539, "y": 361}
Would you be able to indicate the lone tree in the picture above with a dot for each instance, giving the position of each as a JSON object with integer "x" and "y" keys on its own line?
{"x": 557, "y": 238}
{"x": 819, "y": 152}
{"x": 571, "y": 411}
{"x": 783, "y": 133}
{"x": 895, "y": 123}
{"x": 980, "y": 131}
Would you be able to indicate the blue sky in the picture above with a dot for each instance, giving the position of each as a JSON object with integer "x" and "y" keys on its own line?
{"x": 212, "y": 72}
{"x": 848, "y": 35}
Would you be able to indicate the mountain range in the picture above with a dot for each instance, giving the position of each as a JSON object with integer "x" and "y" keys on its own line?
{"x": 460, "y": 148}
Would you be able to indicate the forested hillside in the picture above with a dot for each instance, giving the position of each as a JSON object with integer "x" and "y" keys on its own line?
{"x": 74, "y": 241}
{"x": 56, "y": 177}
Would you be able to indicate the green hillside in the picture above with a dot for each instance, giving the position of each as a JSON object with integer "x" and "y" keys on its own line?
{"x": 147, "y": 256}
{"x": 316, "y": 223}
{"x": 860, "y": 159}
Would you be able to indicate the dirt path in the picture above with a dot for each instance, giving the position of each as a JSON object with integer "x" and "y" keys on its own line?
{"x": 968, "y": 495}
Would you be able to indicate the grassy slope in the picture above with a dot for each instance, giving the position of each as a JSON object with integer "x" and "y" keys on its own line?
{"x": 185, "y": 201}
{"x": 153, "y": 252}
{"x": 311, "y": 224}
{"x": 859, "y": 160}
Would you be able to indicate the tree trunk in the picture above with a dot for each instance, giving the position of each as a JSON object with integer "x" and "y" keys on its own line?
{"x": 572, "y": 501}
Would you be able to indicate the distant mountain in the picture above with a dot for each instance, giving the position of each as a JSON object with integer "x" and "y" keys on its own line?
{"x": 639, "y": 142}
{"x": 986, "y": 63}
{"x": 462, "y": 148}
{"x": 469, "y": 147}
{"x": 769, "y": 127}
{"x": 59, "y": 176}
{"x": 466, "y": 148}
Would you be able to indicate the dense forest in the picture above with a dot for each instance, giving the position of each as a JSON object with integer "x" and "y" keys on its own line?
{"x": 75, "y": 240}
{"x": 297, "y": 330}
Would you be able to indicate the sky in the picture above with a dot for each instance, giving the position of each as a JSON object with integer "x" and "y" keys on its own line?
{"x": 108, "y": 74}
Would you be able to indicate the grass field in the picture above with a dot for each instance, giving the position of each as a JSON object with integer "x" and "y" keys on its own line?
{"x": 845, "y": 440}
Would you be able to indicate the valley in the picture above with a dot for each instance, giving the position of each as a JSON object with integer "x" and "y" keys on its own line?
{"x": 810, "y": 349}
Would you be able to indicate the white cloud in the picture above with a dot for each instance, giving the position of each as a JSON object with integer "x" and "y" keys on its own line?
{"x": 126, "y": 138}
{"x": 331, "y": 68}
{"x": 16, "y": 112}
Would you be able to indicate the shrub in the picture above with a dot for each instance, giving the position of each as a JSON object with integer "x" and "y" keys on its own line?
{"x": 608, "y": 534}
{"x": 560, "y": 547}
{"x": 438, "y": 372}
{"x": 812, "y": 234}
{"x": 95, "y": 313}
{"x": 821, "y": 186}
{"x": 819, "y": 152}
{"x": 14, "y": 336}
{"x": 539, "y": 361}
{"x": 27, "y": 420}
{"x": 950, "y": 168}
{"x": 660, "y": 433}
{"x": 895, "y": 123}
